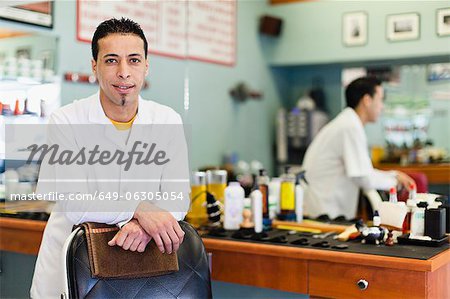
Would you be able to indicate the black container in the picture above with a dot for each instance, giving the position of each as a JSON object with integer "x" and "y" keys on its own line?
{"x": 447, "y": 216}
{"x": 435, "y": 221}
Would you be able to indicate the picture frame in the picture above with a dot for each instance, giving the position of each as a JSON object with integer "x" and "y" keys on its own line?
{"x": 438, "y": 72}
{"x": 354, "y": 28}
{"x": 35, "y": 13}
{"x": 443, "y": 21}
{"x": 403, "y": 27}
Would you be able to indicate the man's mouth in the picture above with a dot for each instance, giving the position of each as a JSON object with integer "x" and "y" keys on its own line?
{"x": 123, "y": 88}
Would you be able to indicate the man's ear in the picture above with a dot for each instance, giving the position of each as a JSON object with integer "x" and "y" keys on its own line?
{"x": 366, "y": 100}
{"x": 146, "y": 66}
{"x": 94, "y": 66}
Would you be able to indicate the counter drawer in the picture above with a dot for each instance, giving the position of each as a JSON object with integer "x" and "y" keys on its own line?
{"x": 264, "y": 271}
{"x": 341, "y": 281}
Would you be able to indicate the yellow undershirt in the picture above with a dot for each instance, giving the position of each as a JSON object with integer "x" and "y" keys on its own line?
{"x": 122, "y": 126}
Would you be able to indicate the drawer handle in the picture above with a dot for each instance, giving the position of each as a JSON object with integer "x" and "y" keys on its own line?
{"x": 362, "y": 284}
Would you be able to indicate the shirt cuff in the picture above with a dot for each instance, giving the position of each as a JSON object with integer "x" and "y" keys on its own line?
{"x": 122, "y": 223}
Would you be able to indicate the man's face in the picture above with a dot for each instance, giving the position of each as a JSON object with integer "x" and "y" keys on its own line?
{"x": 376, "y": 104}
{"x": 120, "y": 68}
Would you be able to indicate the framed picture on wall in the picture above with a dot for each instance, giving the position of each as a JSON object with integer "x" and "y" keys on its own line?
{"x": 443, "y": 21}
{"x": 354, "y": 28}
{"x": 403, "y": 27}
{"x": 38, "y": 13}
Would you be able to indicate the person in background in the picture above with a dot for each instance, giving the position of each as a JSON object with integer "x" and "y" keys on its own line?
{"x": 120, "y": 64}
{"x": 337, "y": 163}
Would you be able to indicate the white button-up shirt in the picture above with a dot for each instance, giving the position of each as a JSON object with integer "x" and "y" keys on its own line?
{"x": 48, "y": 279}
{"x": 337, "y": 165}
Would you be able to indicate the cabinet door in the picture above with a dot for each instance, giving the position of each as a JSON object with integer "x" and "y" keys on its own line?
{"x": 353, "y": 281}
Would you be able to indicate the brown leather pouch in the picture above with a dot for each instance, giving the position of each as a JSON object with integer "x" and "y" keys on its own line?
{"x": 115, "y": 262}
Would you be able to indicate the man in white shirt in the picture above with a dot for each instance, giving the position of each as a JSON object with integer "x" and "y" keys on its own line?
{"x": 337, "y": 163}
{"x": 120, "y": 64}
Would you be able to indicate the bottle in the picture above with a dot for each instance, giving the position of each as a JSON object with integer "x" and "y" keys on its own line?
{"x": 299, "y": 202}
{"x": 376, "y": 218}
{"x": 217, "y": 182}
{"x": 393, "y": 195}
{"x": 6, "y": 110}
{"x": 234, "y": 206}
{"x": 412, "y": 192}
{"x": 263, "y": 186}
{"x": 256, "y": 197}
{"x": 274, "y": 197}
{"x": 17, "y": 108}
{"x": 418, "y": 220}
{"x": 287, "y": 193}
{"x": 25, "y": 108}
{"x": 410, "y": 204}
{"x": 197, "y": 215}
{"x": 43, "y": 109}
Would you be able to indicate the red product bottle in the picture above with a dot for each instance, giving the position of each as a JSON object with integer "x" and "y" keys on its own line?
{"x": 17, "y": 109}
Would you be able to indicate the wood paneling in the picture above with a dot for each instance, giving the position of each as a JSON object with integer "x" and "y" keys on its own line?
{"x": 438, "y": 282}
{"x": 22, "y": 236}
{"x": 6, "y": 33}
{"x": 436, "y": 173}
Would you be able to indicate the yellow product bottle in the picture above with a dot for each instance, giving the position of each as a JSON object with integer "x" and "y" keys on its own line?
{"x": 197, "y": 215}
{"x": 217, "y": 182}
{"x": 287, "y": 193}
{"x": 287, "y": 197}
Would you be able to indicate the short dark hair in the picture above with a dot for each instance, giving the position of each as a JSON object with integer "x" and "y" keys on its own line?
{"x": 111, "y": 26}
{"x": 358, "y": 88}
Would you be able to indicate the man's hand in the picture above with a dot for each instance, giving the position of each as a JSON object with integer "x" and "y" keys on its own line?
{"x": 131, "y": 237}
{"x": 405, "y": 180}
{"x": 161, "y": 226}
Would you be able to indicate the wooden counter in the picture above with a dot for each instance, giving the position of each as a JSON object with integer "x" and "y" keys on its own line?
{"x": 324, "y": 273}
{"x": 21, "y": 235}
{"x": 309, "y": 271}
{"x": 436, "y": 173}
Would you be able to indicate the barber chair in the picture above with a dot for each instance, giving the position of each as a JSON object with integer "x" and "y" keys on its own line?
{"x": 191, "y": 281}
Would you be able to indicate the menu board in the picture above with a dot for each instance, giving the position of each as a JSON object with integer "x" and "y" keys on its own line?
{"x": 198, "y": 30}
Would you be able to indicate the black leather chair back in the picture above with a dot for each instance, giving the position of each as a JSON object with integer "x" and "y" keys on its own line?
{"x": 191, "y": 281}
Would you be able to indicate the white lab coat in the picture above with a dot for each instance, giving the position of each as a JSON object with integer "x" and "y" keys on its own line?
{"x": 48, "y": 275}
{"x": 337, "y": 165}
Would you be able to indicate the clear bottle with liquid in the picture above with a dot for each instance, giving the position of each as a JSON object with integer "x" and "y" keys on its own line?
{"x": 287, "y": 193}
{"x": 216, "y": 183}
{"x": 197, "y": 214}
{"x": 263, "y": 185}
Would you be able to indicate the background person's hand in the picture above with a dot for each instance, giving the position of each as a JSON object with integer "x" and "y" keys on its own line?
{"x": 161, "y": 226}
{"x": 131, "y": 237}
{"x": 405, "y": 180}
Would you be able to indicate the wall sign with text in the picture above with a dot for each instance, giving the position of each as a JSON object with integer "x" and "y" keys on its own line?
{"x": 198, "y": 30}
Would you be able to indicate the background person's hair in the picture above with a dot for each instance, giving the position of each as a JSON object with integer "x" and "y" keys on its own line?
{"x": 111, "y": 26}
{"x": 356, "y": 90}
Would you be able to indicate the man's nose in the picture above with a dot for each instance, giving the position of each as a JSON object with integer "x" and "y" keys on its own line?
{"x": 123, "y": 72}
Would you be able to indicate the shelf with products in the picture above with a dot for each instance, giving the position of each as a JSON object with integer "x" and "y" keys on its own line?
{"x": 23, "y": 88}
{"x": 25, "y": 102}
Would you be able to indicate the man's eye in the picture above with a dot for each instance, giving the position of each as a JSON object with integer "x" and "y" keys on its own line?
{"x": 135, "y": 60}
{"x": 111, "y": 60}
